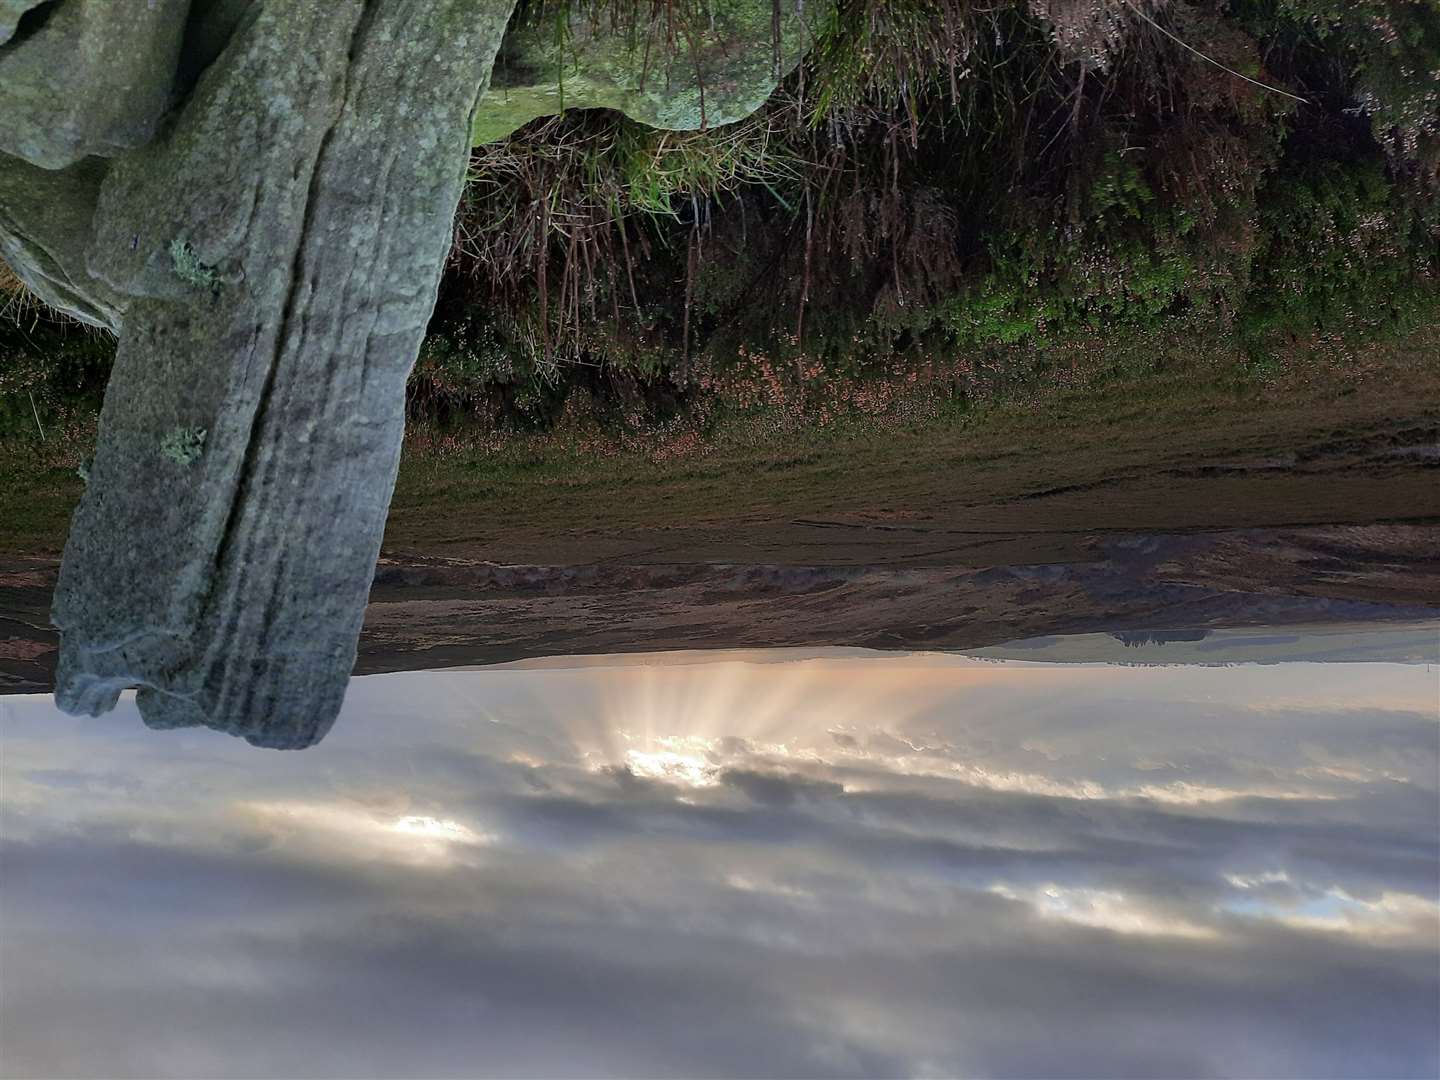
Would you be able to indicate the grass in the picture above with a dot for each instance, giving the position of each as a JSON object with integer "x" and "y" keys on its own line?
{"x": 16, "y": 301}
{"x": 1195, "y": 403}
{"x": 1135, "y": 415}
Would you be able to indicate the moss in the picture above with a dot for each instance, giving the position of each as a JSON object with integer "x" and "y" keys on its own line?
{"x": 1126, "y": 259}
{"x": 184, "y": 445}
{"x": 188, "y": 267}
{"x": 681, "y": 68}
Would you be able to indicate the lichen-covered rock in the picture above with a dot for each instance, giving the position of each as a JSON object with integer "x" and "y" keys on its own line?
{"x": 45, "y": 231}
{"x": 10, "y": 13}
{"x": 270, "y": 256}
{"x": 691, "y": 67}
{"x": 227, "y": 575}
{"x": 94, "y": 79}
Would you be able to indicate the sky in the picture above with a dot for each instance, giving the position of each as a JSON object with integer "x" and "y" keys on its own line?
{"x": 740, "y": 864}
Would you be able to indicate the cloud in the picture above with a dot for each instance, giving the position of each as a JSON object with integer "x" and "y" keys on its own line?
{"x": 477, "y": 875}
{"x": 778, "y": 789}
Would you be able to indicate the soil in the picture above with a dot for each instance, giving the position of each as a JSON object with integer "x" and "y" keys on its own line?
{"x": 431, "y": 612}
{"x": 1312, "y": 505}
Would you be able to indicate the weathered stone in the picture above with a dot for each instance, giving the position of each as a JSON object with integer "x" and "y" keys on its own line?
{"x": 235, "y": 599}
{"x": 270, "y": 256}
{"x": 94, "y": 79}
{"x": 697, "y": 66}
{"x": 213, "y": 24}
{"x": 10, "y": 13}
{"x": 45, "y": 231}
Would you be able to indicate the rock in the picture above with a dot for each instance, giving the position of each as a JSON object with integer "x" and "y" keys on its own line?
{"x": 94, "y": 78}
{"x": 269, "y": 255}
{"x": 46, "y": 220}
{"x": 213, "y": 24}
{"x": 10, "y": 13}
{"x": 725, "y": 62}
{"x": 235, "y": 597}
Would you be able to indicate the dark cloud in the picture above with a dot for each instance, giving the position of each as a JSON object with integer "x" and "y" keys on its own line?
{"x": 778, "y": 789}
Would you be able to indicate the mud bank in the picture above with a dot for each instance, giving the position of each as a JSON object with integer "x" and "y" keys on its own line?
{"x": 431, "y": 612}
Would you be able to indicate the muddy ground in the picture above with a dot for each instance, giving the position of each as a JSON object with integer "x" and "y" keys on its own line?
{"x": 1318, "y": 500}
{"x": 433, "y": 611}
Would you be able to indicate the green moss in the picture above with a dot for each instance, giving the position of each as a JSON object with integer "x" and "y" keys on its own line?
{"x": 1126, "y": 260}
{"x": 184, "y": 445}
{"x": 680, "y": 67}
{"x": 1338, "y": 244}
{"x": 188, "y": 267}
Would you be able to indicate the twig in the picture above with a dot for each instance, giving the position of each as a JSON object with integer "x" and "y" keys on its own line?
{"x": 1209, "y": 60}
{"x": 699, "y": 75}
{"x": 776, "y": 52}
{"x": 805, "y": 282}
{"x": 690, "y": 260}
{"x": 36, "y": 411}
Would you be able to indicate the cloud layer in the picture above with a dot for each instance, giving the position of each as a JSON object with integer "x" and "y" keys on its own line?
{"x": 740, "y": 865}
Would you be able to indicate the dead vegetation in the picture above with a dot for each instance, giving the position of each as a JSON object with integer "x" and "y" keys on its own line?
{"x": 942, "y": 184}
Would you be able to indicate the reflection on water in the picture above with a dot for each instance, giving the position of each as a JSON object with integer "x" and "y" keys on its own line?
{"x": 774, "y": 863}
{"x": 1406, "y": 643}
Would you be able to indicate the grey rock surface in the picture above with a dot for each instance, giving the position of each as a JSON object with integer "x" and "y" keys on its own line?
{"x": 681, "y": 67}
{"x": 94, "y": 79}
{"x": 258, "y": 197}
{"x": 235, "y": 597}
{"x": 10, "y": 13}
{"x": 46, "y": 221}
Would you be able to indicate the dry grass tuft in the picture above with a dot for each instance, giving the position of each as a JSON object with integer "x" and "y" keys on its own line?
{"x": 15, "y": 298}
{"x": 17, "y": 302}
{"x": 9, "y": 283}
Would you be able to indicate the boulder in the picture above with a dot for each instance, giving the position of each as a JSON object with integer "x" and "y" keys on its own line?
{"x": 690, "y": 67}
{"x": 92, "y": 77}
{"x": 281, "y": 245}
{"x": 258, "y": 198}
{"x": 46, "y": 221}
{"x": 11, "y": 12}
